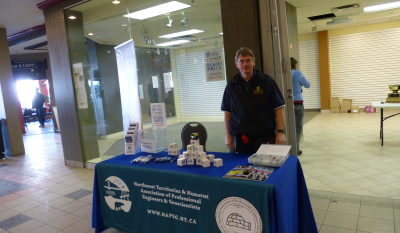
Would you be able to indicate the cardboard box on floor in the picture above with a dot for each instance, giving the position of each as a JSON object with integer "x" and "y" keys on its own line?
{"x": 355, "y": 109}
{"x": 346, "y": 106}
{"x": 335, "y": 110}
{"x": 335, "y": 103}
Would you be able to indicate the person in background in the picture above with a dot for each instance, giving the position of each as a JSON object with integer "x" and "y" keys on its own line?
{"x": 253, "y": 108}
{"x": 298, "y": 81}
{"x": 37, "y": 103}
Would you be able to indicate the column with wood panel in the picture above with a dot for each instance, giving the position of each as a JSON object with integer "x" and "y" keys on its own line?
{"x": 324, "y": 70}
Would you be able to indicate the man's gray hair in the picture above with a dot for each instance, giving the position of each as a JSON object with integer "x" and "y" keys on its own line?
{"x": 244, "y": 52}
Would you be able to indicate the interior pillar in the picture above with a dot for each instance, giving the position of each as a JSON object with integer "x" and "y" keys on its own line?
{"x": 9, "y": 103}
{"x": 324, "y": 70}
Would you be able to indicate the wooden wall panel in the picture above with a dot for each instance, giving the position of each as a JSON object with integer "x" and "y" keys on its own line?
{"x": 324, "y": 71}
{"x": 241, "y": 27}
{"x": 63, "y": 86}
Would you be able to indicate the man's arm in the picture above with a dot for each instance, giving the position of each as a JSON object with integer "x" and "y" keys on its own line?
{"x": 229, "y": 142}
{"x": 280, "y": 122}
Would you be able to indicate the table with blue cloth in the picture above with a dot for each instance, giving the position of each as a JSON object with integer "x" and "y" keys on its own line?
{"x": 164, "y": 197}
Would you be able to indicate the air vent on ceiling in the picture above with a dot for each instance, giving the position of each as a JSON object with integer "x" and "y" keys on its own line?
{"x": 347, "y": 7}
{"x": 318, "y": 17}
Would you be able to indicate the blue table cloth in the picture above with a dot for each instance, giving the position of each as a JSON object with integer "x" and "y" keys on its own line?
{"x": 164, "y": 197}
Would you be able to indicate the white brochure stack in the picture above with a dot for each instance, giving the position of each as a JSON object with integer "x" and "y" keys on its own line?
{"x": 132, "y": 139}
{"x": 270, "y": 155}
{"x": 195, "y": 155}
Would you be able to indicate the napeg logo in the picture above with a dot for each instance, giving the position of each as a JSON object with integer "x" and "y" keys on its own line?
{"x": 258, "y": 91}
{"x": 117, "y": 194}
{"x": 237, "y": 215}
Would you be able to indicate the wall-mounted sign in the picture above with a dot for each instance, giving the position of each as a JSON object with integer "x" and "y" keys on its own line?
{"x": 214, "y": 63}
{"x": 23, "y": 65}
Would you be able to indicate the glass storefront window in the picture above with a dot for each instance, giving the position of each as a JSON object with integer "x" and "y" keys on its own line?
{"x": 170, "y": 55}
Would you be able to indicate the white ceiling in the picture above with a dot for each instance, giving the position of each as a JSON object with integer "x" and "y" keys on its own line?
{"x": 307, "y": 8}
{"x": 19, "y": 15}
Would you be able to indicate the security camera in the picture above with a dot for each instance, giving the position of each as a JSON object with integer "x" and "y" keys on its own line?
{"x": 314, "y": 28}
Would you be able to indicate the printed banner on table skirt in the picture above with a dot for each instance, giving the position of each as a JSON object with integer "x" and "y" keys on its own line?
{"x": 148, "y": 200}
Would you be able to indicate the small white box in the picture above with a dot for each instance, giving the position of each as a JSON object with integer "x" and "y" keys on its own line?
{"x": 173, "y": 146}
{"x": 199, "y": 148}
{"x": 190, "y": 161}
{"x": 186, "y": 155}
{"x": 181, "y": 162}
{"x": 173, "y": 152}
{"x": 205, "y": 162}
{"x": 194, "y": 142}
{"x": 180, "y": 156}
{"x": 211, "y": 157}
{"x": 217, "y": 163}
{"x": 195, "y": 154}
{"x": 189, "y": 148}
{"x": 199, "y": 161}
{"x": 202, "y": 155}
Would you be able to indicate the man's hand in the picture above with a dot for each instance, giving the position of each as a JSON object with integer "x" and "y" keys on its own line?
{"x": 280, "y": 139}
{"x": 229, "y": 142}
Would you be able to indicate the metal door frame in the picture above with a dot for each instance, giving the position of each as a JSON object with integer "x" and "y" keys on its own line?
{"x": 276, "y": 60}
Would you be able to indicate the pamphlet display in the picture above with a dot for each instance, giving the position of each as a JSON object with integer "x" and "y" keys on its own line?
{"x": 270, "y": 155}
{"x": 132, "y": 140}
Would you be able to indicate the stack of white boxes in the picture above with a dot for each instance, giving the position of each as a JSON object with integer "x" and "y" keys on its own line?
{"x": 195, "y": 155}
{"x": 173, "y": 149}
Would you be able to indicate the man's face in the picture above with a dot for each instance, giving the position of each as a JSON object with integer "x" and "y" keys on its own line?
{"x": 245, "y": 64}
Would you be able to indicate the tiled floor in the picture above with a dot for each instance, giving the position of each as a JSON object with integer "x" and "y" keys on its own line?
{"x": 348, "y": 173}
{"x": 39, "y": 194}
{"x": 343, "y": 153}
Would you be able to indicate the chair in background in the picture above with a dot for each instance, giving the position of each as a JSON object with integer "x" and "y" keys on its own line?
{"x": 27, "y": 116}
{"x": 187, "y": 131}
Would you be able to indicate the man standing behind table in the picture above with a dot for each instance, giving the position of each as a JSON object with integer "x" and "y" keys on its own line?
{"x": 253, "y": 106}
{"x": 37, "y": 103}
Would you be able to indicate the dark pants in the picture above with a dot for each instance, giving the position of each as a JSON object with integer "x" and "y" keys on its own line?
{"x": 298, "y": 119}
{"x": 253, "y": 145}
{"x": 40, "y": 115}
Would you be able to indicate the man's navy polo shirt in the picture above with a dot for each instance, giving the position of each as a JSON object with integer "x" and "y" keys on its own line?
{"x": 252, "y": 105}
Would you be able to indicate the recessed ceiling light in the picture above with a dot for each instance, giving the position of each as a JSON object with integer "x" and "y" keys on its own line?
{"x": 382, "y": 7}
{"x": 124, "y": 25}
{"x": 174, "y": 42}
{"x": 158, "y": 10}
{"x": 221, "y": 33}
{"x": 116, "y": 2}
{"x": 183, "y": 33}
{"x": 90, "y": 34}
{"x": 72, "y": 17}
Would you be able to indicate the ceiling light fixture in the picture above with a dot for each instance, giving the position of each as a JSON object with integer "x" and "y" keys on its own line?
{"x": 221, "y": 33}
{"x": 124, "y": 25}
{"x": 382, "y": 7}
{"x": 116, "y": 2}
{"x": 158, "y": 10}
{"x": 170, "y": 21}
{"x": 90, "y": 34}
{"x": 184, "y": 21}
{"x": 72, "y": 17}
{"x": 182, "y": 33}
{"x": 174, "y": 42}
